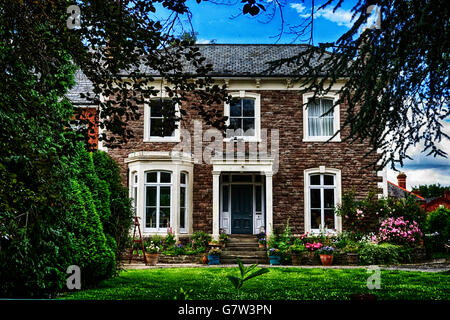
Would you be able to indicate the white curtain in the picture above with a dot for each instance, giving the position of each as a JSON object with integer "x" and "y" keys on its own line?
{"x": 319, "y": 123}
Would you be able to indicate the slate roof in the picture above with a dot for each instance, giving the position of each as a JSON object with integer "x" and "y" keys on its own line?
{"x": 245, "y": 60}
{"x": 228, "y": 60}
{"x": 83, "y": 85}
{"x": 397, "y": 192}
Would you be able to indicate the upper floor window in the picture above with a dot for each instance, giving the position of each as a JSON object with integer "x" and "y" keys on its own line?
{"x": 244, "y": 116}
{"x": 160, "y": 121}
{"x": 320, "y": 119}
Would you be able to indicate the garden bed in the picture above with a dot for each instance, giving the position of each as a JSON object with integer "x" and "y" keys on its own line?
{"x": 184, "y": 258}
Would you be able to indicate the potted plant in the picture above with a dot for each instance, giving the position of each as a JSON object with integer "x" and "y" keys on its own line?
{"x": 262, "y": 242}
{"x": 326, "y": 255}
{"x": 274, "y": 256}
{"x": 223, "y": 239}
{"x": 297, "y": 250}
{"x": 152, "y": 254}
{"x": 214, "y": 256}
{"x": 352, "y": 254}
{"x": 214, "y": 244}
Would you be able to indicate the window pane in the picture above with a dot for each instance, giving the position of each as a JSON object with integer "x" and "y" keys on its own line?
{"x": 258, "y": 178}
{"x": 327, "y": 126}
{"x": 152, "y": 176}
{"x": 315, "y": 179}
{"x": 135, "y": 178}
{"x": 156, "y": 127}
{"x": 225, "y": 199}
{"x": 183, "y": 178}
{"x": 249, "y": 127}
{"x": 328, "y": 180}
{"x": 242, "y": 178}
{"x": 315, "y": 198}
{"x": 150, "y": 218}
{"x": 235, "y": 108}
{"x": 155, "y": 108}
{"x": 182, "y": 218}
{"x": 164, "y": 194}
{"x": 164, "y": 217}
{"x": 150, "y": 197}
{"x": 315, "y": 219}
{"x": 182, "y": 197}
{"x": 235, "y": 123}
{"x": 166, "y": 177}
{"x": 329, "y": 218}
{"x": 258, "y": 198}
{"x": 225, "y": 178}
{"x": 248, "y": 108}
{"x": 328, "y": 198}
{"x": 313, "y": 108}
{"x": 314, "y": 128}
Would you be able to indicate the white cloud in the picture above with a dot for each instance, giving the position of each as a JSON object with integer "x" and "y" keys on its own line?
{"x": 416, "y": 177}
{"x": 341, "y": 17}
{"x": 202, "y": 41}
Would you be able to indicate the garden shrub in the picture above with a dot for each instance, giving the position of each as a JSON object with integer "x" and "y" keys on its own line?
{"x": 121, "y": 215}
{"x": 200, "y": 239}
{"x": 398, "y": 231}
{"x": 94, "y": 257}
{"x": 437, "y": 224}
{"x": 384, "y": 253}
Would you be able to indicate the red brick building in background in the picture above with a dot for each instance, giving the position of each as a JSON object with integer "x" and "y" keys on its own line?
{"x": 299, "y": 176}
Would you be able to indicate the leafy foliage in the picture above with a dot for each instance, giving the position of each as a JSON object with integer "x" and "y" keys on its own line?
{"x": 245, "y": 274}
{"x": 396, "y": 75}
{"x": 385, "y": 253}
{"x": 431, "y": 190}
{"x": 438, "y": 224}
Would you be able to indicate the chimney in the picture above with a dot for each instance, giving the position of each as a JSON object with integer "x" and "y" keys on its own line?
{"x": 401, "y": 178}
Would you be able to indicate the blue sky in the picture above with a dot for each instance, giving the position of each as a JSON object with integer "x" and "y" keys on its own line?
{"x": 216, "y": 22}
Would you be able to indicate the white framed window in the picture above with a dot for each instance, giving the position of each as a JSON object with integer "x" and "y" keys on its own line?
{"x": 154, "y": 112}
{"x": 158, "y": 187}
{"x": 183, "y": 201}
{"x": 322, "y": 195}
{"x": 244, "y": 116}
{"x": 321, "y": 118}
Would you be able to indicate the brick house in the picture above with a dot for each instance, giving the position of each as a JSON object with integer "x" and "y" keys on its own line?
{"x": 275, "y": 166}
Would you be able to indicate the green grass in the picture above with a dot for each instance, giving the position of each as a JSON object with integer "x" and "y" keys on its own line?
{"x": 278, "y": 284}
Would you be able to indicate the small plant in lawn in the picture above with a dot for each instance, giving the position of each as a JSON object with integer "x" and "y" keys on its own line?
{"x": 183, "y": 294}
{"x": 245, "y": 274}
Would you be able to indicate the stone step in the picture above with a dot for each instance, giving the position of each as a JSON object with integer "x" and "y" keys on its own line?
{"x": 243, "y": 245}
{"x": 243, "y": 260}
{"x": 243, "y": 240}
{"x": 243, "y": 248}
{"x": 244, "y": 254}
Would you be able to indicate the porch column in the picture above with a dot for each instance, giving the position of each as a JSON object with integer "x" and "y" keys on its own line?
{"x": 175, "y": 224}
{"x": 269, "y": 211}
{"x": 216, "y": 188}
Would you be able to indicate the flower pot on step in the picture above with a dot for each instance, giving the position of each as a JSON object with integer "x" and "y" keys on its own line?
{"x": 326, "y": 259}
{"x": 152, "y": 258}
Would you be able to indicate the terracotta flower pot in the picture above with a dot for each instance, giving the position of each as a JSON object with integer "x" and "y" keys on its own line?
{"x": 327, "y": 259}
{"x": 261, "y": 245}
{"x": 152, "y": 258}
{"x": 204, "y": 259}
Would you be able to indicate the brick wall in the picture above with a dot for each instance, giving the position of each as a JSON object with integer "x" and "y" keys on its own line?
{"x": 280, "y": 110}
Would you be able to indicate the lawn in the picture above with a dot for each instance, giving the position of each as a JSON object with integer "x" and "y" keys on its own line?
{"x": 278, "y": 284}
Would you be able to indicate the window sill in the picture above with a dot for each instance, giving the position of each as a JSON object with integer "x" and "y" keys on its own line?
{"x": 163, "y": 139}
{"x": 322, "y": 139}
{"x": 244, "y": 139}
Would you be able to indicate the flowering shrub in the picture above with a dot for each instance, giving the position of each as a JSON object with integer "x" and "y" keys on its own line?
{"x": 326, "y": 250}
{"x": 313, "y": 246}
{"x": 215, "y": 252}
{"x": 274, "y": 252}
{"x": 152, "y": 248}
{"x": 399, "y": 231}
